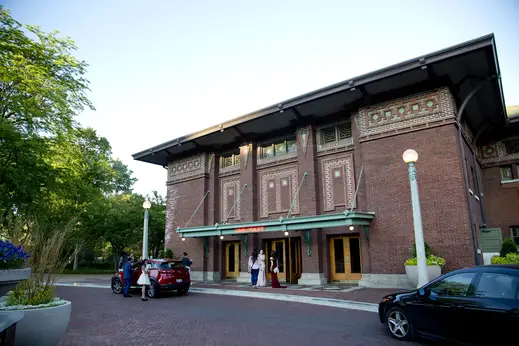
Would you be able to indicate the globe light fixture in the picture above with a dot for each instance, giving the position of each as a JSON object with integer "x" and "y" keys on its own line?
{"x": 221, "y": 237}
{"x": 352, "y": 228}
{"x": 286, "y": 233}
{"x": 410, "y": 156}
{"x": 183, "y": 239}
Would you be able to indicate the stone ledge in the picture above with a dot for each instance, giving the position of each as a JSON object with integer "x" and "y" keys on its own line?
{"x": 243, "y": 278}
{"x": 316, "y": 279}
{"x": 205, "y": 276}
{"x": 385, "y": 281}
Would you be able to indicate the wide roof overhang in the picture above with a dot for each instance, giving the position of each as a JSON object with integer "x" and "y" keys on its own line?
{"x": 461, "y": 68}
{"x": 302, "y": 223}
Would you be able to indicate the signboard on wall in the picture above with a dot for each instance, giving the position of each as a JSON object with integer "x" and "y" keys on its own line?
{"x": 249, "y": 230}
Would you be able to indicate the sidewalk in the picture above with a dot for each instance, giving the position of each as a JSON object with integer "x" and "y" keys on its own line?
{"x": 330, "y": 291}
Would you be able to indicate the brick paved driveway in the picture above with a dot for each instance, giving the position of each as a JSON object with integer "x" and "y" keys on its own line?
{"x": 102, "y": 318}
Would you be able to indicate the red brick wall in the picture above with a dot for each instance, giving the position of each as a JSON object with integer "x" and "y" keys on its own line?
{"x": 442, "y": 198}
{"x": 384, "y": 189}
{"x": 182, "y": 200}
{"x": 501, "y": 202}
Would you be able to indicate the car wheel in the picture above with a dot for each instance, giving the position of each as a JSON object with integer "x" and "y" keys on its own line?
{"x": 153, "y": 290}
{"x": 399, "y": 325}
{"x": 117, "y": 286}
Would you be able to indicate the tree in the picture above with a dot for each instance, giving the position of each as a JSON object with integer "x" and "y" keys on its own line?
{"x": 42, "y": 85}
{"x": 51, "y": 169}
{"x": 24, "y": 170}
{"x": 42, "y": 88}
{"x": 117, "y": 219}
{"x": 157, "y": 224}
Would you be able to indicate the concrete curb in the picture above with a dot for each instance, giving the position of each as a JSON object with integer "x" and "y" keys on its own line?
{"x": 336, "y": 303}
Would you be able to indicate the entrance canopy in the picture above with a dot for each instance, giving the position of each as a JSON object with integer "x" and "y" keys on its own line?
{"x": 303, "y": 223}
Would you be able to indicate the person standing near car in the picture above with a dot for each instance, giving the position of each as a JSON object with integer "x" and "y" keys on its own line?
{"x": 127, "y": 277}
{"x": 187, "y": 262}
{"x": 144, "y": 280}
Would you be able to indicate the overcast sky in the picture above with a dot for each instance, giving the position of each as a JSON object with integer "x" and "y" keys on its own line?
{"x": 162, "y": 69}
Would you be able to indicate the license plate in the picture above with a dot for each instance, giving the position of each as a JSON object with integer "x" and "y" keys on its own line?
{"x": 179, "y": 280}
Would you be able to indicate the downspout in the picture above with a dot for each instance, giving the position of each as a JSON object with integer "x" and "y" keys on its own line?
{"x": 464, "y": 165}
{"x": 478, "y": 177}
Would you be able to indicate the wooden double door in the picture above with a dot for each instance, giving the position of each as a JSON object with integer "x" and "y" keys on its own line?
{"x": 232, "y": 259}
{"x": 288, "y": 252}
{"x": 345, "y": 258}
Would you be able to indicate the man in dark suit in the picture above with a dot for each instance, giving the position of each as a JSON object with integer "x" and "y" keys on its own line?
{"x": 127, "y": 276}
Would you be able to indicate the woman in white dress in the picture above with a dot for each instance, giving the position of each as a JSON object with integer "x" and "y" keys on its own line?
{"x": 262, "y": 280}
{"x": 144, "y": 280}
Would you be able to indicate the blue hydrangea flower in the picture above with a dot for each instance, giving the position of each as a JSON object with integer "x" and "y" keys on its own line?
{"x": 12, "y": 257}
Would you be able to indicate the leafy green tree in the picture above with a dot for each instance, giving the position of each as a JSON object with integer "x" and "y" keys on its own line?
{"x": 24, "y": 170}
{"x": 117, "y": 219}
{"x": 157, "y": 224}
{"x": 42, "y": 88}
{"x": 51, "y": 169}
{"x": 42, "y": 85}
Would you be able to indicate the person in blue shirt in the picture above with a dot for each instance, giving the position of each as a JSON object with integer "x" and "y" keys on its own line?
{"x": 127, "y": 276}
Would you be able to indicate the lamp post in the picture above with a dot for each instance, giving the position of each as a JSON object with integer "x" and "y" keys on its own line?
{"x": 410, "y": 157}
{"x": 146, "y": 205}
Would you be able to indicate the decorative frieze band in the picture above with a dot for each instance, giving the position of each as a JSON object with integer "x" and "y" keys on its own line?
{"x": 496, "y": 153}
{"x": 188, "y": 168}
{"x": 417, "y": 109}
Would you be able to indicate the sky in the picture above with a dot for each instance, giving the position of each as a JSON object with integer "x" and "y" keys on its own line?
{"x": 162, "y": 69}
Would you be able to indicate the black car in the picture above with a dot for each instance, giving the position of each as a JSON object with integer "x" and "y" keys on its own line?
{"x": 475, "y": 306}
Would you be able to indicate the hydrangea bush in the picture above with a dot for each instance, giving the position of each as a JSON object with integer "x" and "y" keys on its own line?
{"x": 510, "y": 258}
{"x": 431, "y": 261}
{"x": 12, "y": 257}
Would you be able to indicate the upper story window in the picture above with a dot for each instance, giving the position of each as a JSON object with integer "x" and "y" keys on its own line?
{"x": 512, "y": 146}
{"x": 507, "y": 173}
{"x": 278, "y": 148}
{"x": 230, "y": 160}
{"x": 335, "y": 133}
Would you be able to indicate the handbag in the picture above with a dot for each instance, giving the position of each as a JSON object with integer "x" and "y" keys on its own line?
{"x": 276, "y": 270}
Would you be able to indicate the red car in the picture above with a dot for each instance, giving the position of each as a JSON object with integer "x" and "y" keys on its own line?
{"x": 165, "y": 275}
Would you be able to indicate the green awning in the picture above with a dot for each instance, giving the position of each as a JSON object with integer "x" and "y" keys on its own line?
{"x": 302, "y": 223}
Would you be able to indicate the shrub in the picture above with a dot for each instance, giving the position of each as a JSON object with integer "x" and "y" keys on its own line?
{"x": 431, "y": 261}
{"x": 510, "y": 258}
{"x": 427, "y": 250}
{"x": 508, "y": 246}
{"x": 38, "y": 294}
{"x": 12, "y": 257}
{"x": 48, "y": 259}
{"x": 168, "y": 253}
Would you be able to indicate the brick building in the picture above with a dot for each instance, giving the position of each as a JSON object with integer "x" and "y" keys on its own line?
{"x": 320, "y": 177}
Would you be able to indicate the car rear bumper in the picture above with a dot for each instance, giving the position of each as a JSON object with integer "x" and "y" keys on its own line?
{"x": 175, "y": 286}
